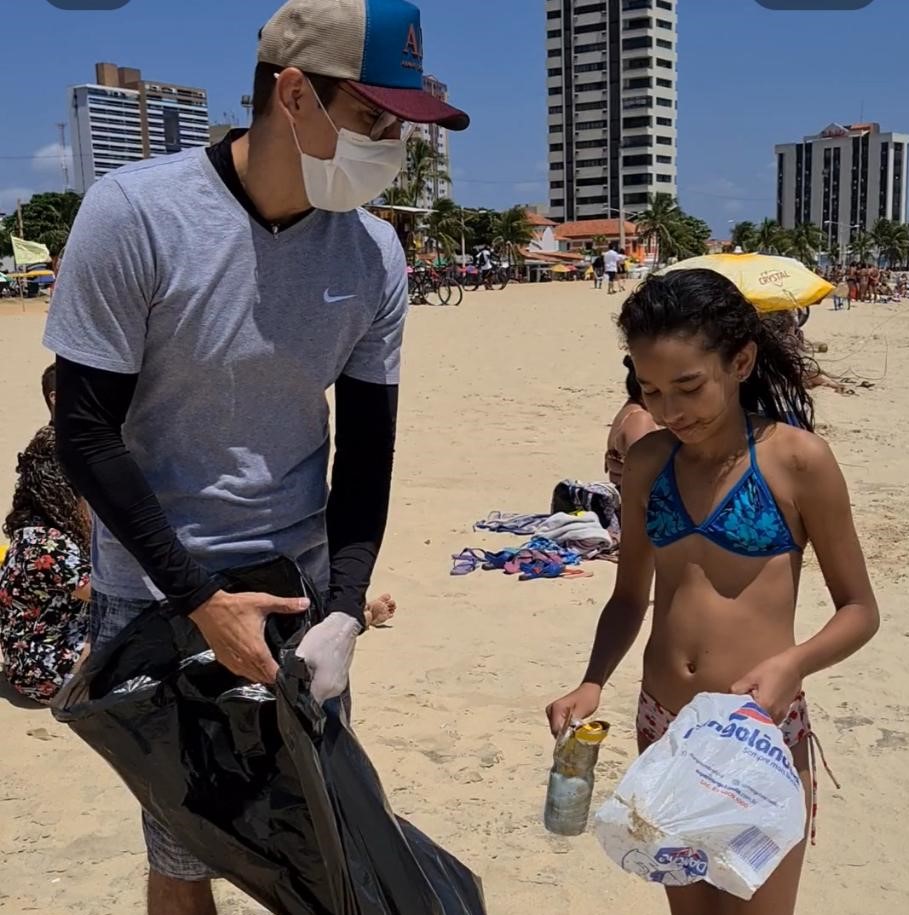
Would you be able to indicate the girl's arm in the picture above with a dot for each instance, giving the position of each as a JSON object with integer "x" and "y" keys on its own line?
{"x": 623, "y": 614}
{"x": 823, "y": 504}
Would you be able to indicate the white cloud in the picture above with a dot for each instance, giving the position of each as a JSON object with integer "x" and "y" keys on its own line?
{"x": 47, "y": 159}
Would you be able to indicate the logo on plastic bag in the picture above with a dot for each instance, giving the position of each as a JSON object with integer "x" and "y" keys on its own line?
{"x": 753, "y": 711}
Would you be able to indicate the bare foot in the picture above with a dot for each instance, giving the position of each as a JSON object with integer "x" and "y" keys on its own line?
{"x": 380, "y": 610}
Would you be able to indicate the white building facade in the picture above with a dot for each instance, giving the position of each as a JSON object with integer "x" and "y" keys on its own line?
{"x": 613, "y": 105}
{"x": 842, "y": 179}
{"x": 122, "y": 118}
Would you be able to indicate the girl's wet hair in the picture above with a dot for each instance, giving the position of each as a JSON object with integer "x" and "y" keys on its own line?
{"x": 690, "y": 303}
{"x": 632, "y": 385}
{"x": 43, "y": 497}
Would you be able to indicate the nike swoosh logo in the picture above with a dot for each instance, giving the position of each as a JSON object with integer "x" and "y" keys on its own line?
{"x": 329, "y": 299}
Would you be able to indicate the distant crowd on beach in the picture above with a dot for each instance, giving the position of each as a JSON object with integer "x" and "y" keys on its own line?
{"x": 865, "y": 282}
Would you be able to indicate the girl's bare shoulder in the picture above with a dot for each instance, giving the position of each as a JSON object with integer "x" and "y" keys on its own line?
{"x": 794, "y": 451}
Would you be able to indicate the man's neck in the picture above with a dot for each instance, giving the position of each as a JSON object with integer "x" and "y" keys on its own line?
{"x": 270, "y": 174}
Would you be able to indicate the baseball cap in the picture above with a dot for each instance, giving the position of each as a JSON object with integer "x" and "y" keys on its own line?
{"x": 374, "y": 46}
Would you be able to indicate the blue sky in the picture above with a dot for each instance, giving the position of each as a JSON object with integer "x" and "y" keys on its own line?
{"x": 748, "y": 78}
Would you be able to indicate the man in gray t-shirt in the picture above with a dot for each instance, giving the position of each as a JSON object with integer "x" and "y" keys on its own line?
{"x": 207, "y": 301}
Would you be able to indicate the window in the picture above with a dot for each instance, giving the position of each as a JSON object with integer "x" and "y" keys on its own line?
{"x": 662, "y": 43}
{"x": 586, "y": 48}
{"x": 556, "y": 185}
{"x": 589, "y": 144}
{"x": 634, "y": 161}
{"x": 590, "y": 125}
{"x": 640, "y": 23}
{"x": 556, "y": 166}
{"x": 171, "y": 118}
{"x": 590, "y": 182}
{"x": 640, "y": 178}
{"x": 554, "y": 33}
{"x": 592, "y": 163}
{"x": 595, "y": 67}
{"x": 664, "y": 5}
{"x": 554, "y": 52}
{"x": 664, "y": 179}
{"x": 590, "y": 106}
{"x": 664, "y": 24}
{"x": 632, "y": 123}
{"x": 636, "y": 63}
{"x": 591, "y": 27}
{"x": 554, "y": 71}
{"x": 558, "y": 202}
{"x": 556, "y": 109}
{"x": 664, "y": 102}
{"x": 591, "y": 87}
{"x": 664, "y": 122}
{"x": 554, "y": 14}
{"x": 665, "y": 83}
{"x": 555, "y": 90}
{"x": 664, "y": 160}
{"x": 590, "y": 8}
{"x": 662, "y": 62}
{"x": 636, "y": 199}
{"x": 632, "y": 44}
{"x": 637, "y": 101}
{"x": 556, "y": 147}
{"x": 629, "y": 5}
{"x": 638, "y": 82}
{"x": 664, "y": 141}
{"x": 632, "y": 142}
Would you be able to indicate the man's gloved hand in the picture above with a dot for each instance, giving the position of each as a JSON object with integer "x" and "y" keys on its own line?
{"x": 328, "y": 651}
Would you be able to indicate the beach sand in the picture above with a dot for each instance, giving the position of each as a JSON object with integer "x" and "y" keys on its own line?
{"x": 502, "y": 398}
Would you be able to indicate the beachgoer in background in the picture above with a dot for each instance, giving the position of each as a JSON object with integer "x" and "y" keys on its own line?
{"x": 863, "y": 281}
{"x": 874, "y": 279}
{"x": 44, "y": 580}
{"x": 49, "y": 389}
{"x": 852, "y": 280}
{"x": 720, "y": 507}
{"x": 630, "y": 424}
{"x": 485, "y": 265}
{"x": 599, "y": 270}
{"x": 622, "y": 270}
{"x": 612, "y": 259}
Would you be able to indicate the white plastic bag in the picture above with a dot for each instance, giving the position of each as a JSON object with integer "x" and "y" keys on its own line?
{"x": 717, "y": 798}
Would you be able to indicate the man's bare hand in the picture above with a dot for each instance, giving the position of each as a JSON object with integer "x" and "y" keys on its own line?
{"x": 234, "y": 627}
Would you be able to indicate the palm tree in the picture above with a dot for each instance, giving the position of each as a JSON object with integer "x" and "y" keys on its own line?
{"x": 897, "y": 248}
{"x": 447, "y": 223}
{"x": 423, "y": 167}
{"x": 862, "y": 246}
{"x": 692, "y": 236}
{"x": 806, "y": 239}
{"x": 513, "y": 231}
{"x": 661, "y": 225}
{"x": 769, "y": 239}
{"x": 744, "y": 235}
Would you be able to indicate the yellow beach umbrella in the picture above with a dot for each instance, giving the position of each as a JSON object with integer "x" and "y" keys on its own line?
{"x": 561, "y": 268}
{"x": 769, "y": 282}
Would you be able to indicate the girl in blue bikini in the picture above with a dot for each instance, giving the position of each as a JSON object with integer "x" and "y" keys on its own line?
{"x": 718, "y": 508}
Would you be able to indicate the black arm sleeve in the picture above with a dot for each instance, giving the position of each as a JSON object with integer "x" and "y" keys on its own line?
{"x": 90, "y": 410}
{"x": 365, "y": 425}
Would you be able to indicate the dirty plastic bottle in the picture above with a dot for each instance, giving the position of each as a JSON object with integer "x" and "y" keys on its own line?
{"x": 571, "y": 777}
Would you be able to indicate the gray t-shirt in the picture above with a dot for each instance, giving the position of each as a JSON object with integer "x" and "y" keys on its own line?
{"x": 236, "y": 334}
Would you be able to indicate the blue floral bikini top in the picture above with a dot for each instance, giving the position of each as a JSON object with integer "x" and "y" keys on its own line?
{"x": 748, "y": 521}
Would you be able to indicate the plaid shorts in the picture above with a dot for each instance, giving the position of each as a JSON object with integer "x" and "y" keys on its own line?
{"x": 165, "y": 854}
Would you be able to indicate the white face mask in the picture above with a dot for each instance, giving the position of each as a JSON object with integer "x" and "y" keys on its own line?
{"x": 358, "y": 172}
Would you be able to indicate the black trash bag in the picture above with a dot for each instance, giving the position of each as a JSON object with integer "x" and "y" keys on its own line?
{"x": 266, "y": 787}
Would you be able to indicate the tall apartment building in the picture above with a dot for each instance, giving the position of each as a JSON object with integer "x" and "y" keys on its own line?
{"x": 842, "y": 179}
{"x": 121, "y": 118}
{"x": 613, "y": 105}
{"x": 438, "y": 184}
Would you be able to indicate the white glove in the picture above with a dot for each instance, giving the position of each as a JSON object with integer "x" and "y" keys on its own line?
{"x": 328, "y": 651}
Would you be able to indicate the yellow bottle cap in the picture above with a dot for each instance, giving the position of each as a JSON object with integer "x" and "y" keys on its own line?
{"x": 592, "y": 732}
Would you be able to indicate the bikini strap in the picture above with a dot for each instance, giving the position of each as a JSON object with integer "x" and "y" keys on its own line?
{"x": 751, "y": 445}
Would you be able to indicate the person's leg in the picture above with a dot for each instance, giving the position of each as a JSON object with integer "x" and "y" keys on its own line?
{"x": 167, "y": 896}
